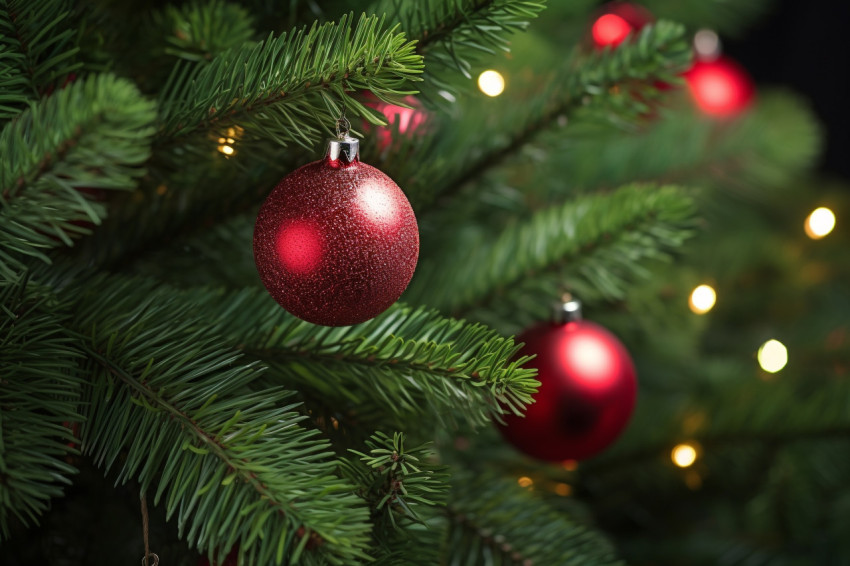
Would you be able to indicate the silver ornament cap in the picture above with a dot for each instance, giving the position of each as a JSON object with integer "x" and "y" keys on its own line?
{"x": 345, "y": 149}
{"x": 566, "y": 311}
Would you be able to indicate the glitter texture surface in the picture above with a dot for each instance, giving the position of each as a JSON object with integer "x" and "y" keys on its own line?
{"x": 336, "y": 244}
{"x": 588, "y": 389}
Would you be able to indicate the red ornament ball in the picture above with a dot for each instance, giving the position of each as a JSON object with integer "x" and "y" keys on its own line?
{"x": 720, "y": 87}
{"x": 616, "y": 21}
{"x": 587, "y": 392}
{"x": 336, "y": 242}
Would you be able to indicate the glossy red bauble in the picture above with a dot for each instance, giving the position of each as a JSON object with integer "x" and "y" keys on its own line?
{"x": 336, "y": 242}
{"x": 720, "y": 87}
{"x": 615, "y": 21}
{"x": 587, "y": 392}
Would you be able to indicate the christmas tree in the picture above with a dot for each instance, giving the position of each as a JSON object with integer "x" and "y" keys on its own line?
{"x": 155, "y": 399}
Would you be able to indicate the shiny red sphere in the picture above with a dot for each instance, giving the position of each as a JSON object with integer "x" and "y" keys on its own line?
{"x": 616, "y": 20}
{"x": 587, "y": 393}
{"x": 721, "y": 87}
{"x": 336, "y": 244}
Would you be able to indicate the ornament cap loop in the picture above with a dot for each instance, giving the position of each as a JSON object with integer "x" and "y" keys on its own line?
{"x": 566, "y": 311}
{"x": 345, "y": 149}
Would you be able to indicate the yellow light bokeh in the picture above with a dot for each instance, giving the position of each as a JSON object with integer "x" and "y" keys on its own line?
{"x": 819, "y": 223}
{"x": 563, "y": 489}
{"x": 702, "y": 299}
{"x": 525, "y": 481}
{"x": 491, "y": 83}
{"x": 684, "y": 455}
{"x": 226, "y": 150}
{"x": 772, "y": 356}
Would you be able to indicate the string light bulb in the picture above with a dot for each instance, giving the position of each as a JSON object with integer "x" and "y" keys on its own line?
{"x": 491, "y": 83}
{"x": 702, "y": 299}
{"x": 684, "y": 455}
{"x": 819, "y": 223}
{"x": 772, "y": 356}
{"x": 226, "y": 142}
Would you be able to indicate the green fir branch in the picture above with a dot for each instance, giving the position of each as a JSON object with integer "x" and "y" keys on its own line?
{"x": 199, "y": 31}
{"x": 614, "y": 84}
{"x": 37, "y": 51}
{"x": 405, "y": 490}
{"x": 172, "y": 407}
{"x": 292, "y": 88}
{"x": 40, "y": 388}
{"x": 93, "y": 134}
{"x": 592, "y": 246}
{"x": 405, "y": 364}
{"x": 453, "y": 34}
{"x": 493, "y": 521}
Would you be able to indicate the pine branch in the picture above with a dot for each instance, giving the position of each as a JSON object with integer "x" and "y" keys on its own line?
{"x": 760, "y": 152}
{"x": 172, "y": 406}
{"x": 90, "y": 135}
{"x": 404, "y": 490}
{"x": 615, "y": 85}
{"x": 405, "y": 363}
{"x": 492, "y": 520}
{"x": 453, "y": 34}
{"x": 199, "y": 31}
{"x": 37, "y": 51}
{"x": 40, "y": 384}
{"x": 592, "y": 246}
{"x": 247, "y": 86}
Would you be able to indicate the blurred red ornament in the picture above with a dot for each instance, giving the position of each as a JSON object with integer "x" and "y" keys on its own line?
{"x": 336, "y": 242}
{"x": 230, "y": 560}
{"x": 409, "y": 120}
{"x": 720, "y": 87}
{"x": 616, "y": 21}
{"x": 587, "y": 391}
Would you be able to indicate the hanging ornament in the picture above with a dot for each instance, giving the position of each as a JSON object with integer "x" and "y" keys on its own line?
{"x": 615, "y": 21}
{"x": 587, "y": 389}
{"x": 336, "y": 242}
{"x": 720, "y": 87}
{"x": 409, "y": 120}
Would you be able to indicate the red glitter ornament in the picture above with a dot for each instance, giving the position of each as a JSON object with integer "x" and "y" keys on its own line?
{"x": 616, "y": 21}
{"x": 720, "y": 87}
{"x": 587, "y": 391}
{"x": 336, "y": 242}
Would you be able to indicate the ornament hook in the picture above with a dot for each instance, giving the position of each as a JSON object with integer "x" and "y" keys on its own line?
{"x": 343, "y": 126}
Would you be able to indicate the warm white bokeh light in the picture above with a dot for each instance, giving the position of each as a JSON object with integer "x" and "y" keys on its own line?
{"x": 525, "y": 481}
{"x": 772, "y": 356}
{"x": 702, "y": 299}
{"x": 684, "y": 455}
{"x": 491, "y": 83}
{"x": 820, "y": 223}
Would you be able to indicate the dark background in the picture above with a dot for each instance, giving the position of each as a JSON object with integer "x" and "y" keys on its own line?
{"x": 805, "y": 45}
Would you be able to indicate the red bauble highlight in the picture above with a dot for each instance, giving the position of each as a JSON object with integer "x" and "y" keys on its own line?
{"x": 409, "y": 120}
{"x": 336, "y": 243}
{"x": 721, "y": 87}
{"x": 616, "y": 21}
{"x": 587, "y": 393}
